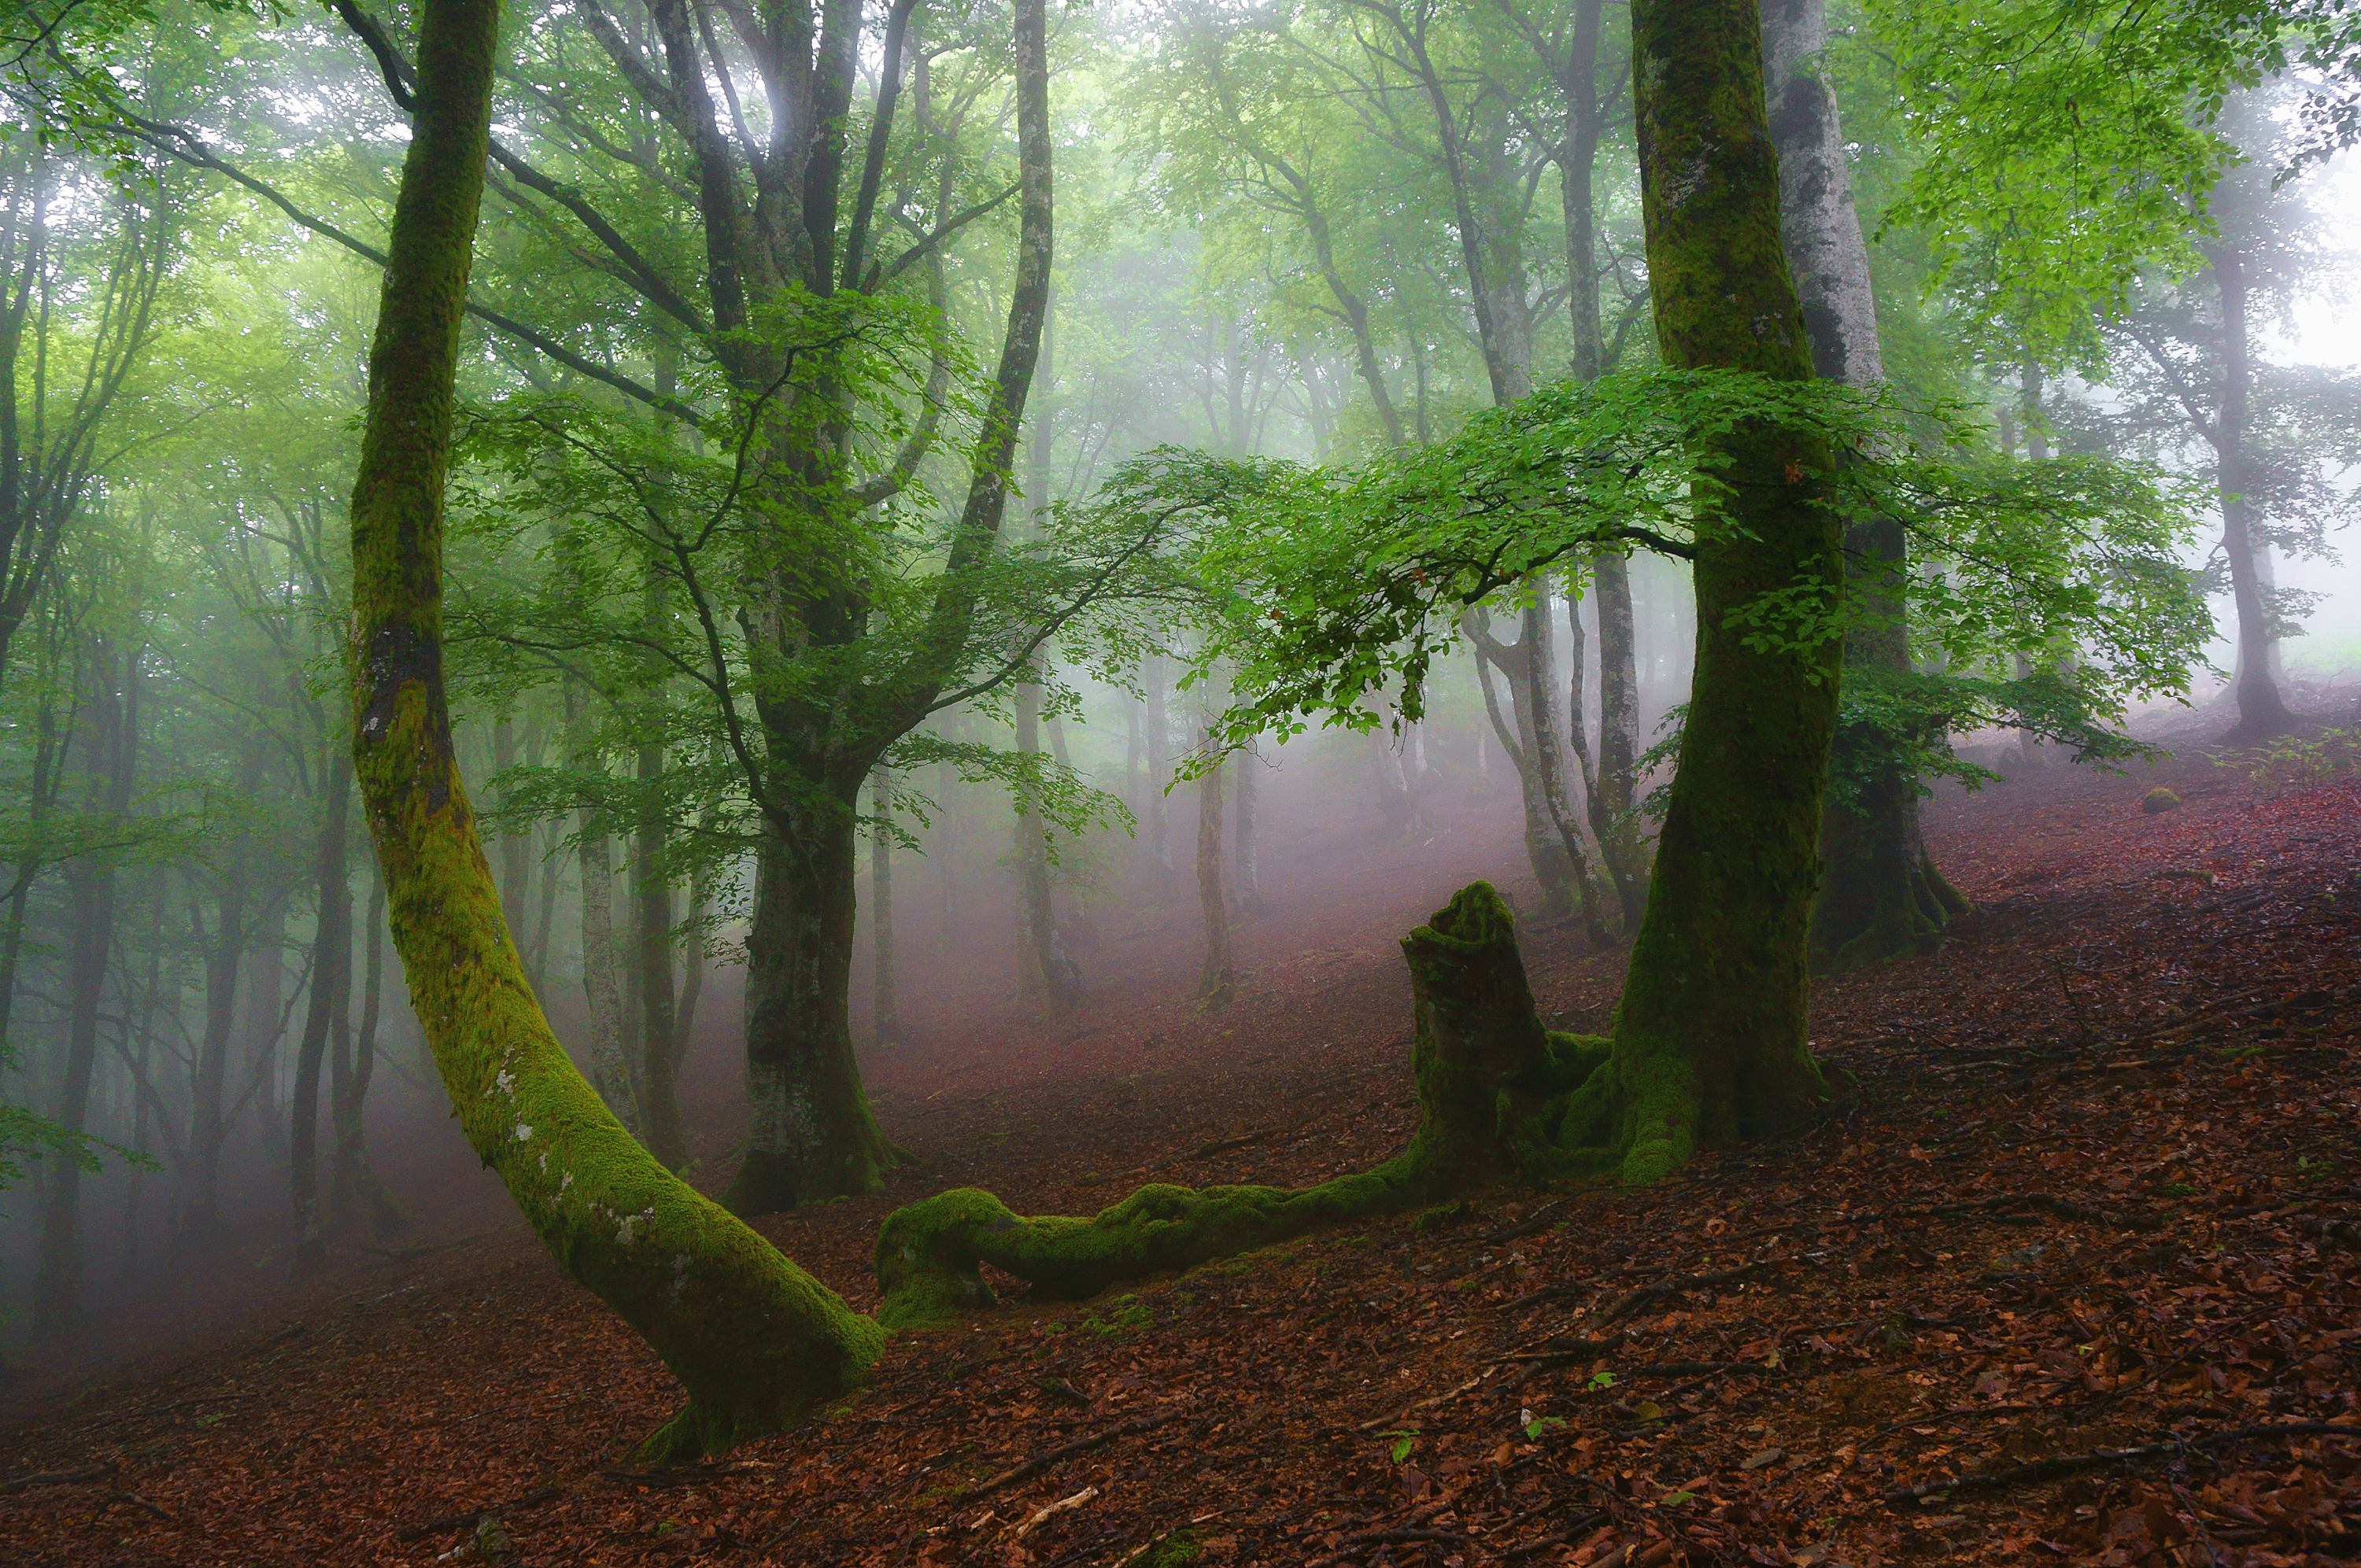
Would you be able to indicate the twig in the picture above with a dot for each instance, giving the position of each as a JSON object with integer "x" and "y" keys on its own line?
{"x": 449, "y": 1522}
{"x": 50, "y": 1478}
{"x": 2070, "y": 1463}
{"x": 1633, "y": 1301}
{"x": 420, "y": 1249}
{"x": 679, "y": 1475}
{"x": 1009, "y": 1477}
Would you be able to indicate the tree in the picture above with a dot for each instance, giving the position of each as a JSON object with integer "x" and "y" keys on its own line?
{"x": 754, "y": 1340}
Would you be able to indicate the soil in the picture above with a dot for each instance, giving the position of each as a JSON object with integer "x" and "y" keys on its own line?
{"x": 2071, "y": 1271}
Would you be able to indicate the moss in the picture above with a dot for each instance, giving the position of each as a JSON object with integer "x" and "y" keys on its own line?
{"x": 1179, "y": 1549}
{"x": 756, "y": 1341}
{"x": 2158, "y": 801}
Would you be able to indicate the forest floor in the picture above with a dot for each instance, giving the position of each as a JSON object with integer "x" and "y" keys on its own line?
{"x": 2072, "y": 1272}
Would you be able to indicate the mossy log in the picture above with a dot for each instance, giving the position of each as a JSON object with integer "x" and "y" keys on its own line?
{"x": 1489, "y": 1078}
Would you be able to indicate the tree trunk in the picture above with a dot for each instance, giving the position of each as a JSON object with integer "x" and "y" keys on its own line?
{"x": 1158, "y": 816}
{"x": 196, "y": 1227}
{"x": 1046, "y": 965}
{"x": 1615, "y": 798}
{"x": 1546, "y": 849}
{"x": 1217, "y": 977}
{"x": 1549, "y": 766}
{"x": 660, "y": 1122}
{"x": 332, "y": 957}
{"x": 755, "y": 1342}
{"x": 885, "y": 1006}
{"x": 1247, "y": 860}
{"x": 601, "y": 989}
{"x": 1880, "y": 895}
{"x": 811, "y": 1136}
{"x": 113, "y": 709}
{"x": 1709, "y": 1040}
{"x": 2262, "y": 712}
{"x": 354, "y": 1179}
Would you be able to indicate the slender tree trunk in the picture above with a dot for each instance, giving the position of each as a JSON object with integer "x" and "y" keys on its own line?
{"x": 1545, "y": 846}
{"x": 332, "y": 954}
{"x": 1549, "y": 766}
{"x": 516, "y": 861}
{"x": 356, "y": 1180}
{"x": 113, "y": 708}
{"x": 692, "y": 981}
{"x": 884, "y": 1008}
{"x": 545, "y": 918}
{"x": 1248, "y": 877}
{"x": 1046, "y": 963}
{"x": 1158, "y": 818}
{"x": 755, "y": 1342}
{"x": 660, "y": 1119}
{"x": 2262, "y": 712}
{"x": 1217, "y": 977}
{"x": 600, "y": 990}
{"x": 1880, "y": 895}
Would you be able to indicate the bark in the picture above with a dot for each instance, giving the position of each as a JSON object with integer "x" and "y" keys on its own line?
{"x": 1710, "y": 1036}
{"x": 112, "y": 709}
{"x": 812, "y": 1136}
{"x": 332, "y": 954}
{"x": 1880, "y": 896}
{"x": 2262, "y": 712}
{"x": 1217, "y": 984}
{"x": 355, "y": 1180}
{"x": 196, "y": 1227}
{"x": 755, "y": 1342}
{"x": 1045, "y": 968}
{"x": 1158, "y": 816}
{"x": 1615, "y": 798}
{"x": 1246, "y": 875}
{"x": 660, "y": 1122}
{"x": 885, "y": 1005}
{"x": 810, "y": 1132}
{"x": 516, "y": 861}
{"x": 601, "y": 962}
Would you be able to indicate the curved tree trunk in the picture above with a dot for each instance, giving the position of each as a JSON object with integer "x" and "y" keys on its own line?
{"x": 754, "y": 1340}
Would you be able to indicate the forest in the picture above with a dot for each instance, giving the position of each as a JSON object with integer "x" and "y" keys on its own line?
{"x": 1375, "y": 782}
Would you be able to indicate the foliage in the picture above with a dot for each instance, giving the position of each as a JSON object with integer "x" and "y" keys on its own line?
{"x": 26, "y": 1135}
{"x": 1335, "y": 585}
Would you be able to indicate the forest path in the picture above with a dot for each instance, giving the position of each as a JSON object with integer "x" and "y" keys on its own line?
{"x": 2096, "y": 1192}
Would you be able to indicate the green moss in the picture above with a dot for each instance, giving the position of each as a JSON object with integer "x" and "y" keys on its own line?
{"x": 1179, "y": 1549}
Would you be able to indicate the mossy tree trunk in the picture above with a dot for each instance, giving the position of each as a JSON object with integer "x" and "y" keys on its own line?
{"x": 1710, "y": 1039}
{"x": 754, "y": 1340}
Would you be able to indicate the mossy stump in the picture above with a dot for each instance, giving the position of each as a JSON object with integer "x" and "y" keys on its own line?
{"x": 1489, "y": 1075}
